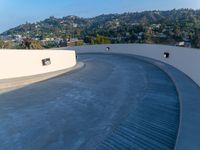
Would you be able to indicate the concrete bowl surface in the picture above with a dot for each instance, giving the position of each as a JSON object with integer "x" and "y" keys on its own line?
{"x": 115, "y": 102}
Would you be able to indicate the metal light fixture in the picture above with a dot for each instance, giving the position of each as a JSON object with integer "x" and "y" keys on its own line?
{"x": 108, "y": 49}
{"x": 166, "y": 54}
{"x": 46, "y": 61}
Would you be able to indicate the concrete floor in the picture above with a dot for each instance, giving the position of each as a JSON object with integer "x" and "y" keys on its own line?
{"x": 115, "y": 102}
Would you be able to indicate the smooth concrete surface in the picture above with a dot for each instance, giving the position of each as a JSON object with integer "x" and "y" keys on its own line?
{"x": 21, "y": 63}
{"x": 189, "y": 94}
{"x": 114, "y": 103}
{"x": 22, "y": 81}
{"x": 187, "y": 81}
{"x": 185, "y": 59}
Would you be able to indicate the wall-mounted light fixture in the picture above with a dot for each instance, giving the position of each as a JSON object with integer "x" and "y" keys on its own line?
{"x": 108, "y": 49}
{"x": 166, "y": 54}
{"x": 46, "y": 61}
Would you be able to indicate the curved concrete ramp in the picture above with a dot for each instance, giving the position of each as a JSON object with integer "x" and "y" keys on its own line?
{"x": 115, "y": 102}
{"x": 23, "y": 81}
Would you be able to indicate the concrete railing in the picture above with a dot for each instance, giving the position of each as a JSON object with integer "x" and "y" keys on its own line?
{"x": 186, "y": 60}
{"x": 20, "y": 63}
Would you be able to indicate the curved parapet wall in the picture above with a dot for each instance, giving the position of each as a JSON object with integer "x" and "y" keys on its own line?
{"x": 20, "y": 63}
{"x": 186, "y": 60}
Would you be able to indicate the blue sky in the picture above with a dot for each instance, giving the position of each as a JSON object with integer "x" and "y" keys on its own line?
{"x": 16, "y": 12}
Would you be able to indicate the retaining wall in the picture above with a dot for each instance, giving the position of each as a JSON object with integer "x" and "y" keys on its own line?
{"x": 186, "y": 60}
{"x": 20, "y": 63}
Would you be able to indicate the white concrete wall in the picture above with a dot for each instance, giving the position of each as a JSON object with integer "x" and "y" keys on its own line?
{"x": 19, "y": 63}
{"x": 186, "y": 60}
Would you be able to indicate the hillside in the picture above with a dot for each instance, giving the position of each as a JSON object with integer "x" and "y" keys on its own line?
{"x": 167, "y": 27}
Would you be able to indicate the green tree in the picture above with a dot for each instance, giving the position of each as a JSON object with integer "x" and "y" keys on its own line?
{"x": 26, "y": 43}
{"x": 36, "y": 45}
{"x": 79, "y": 43}
{"x": 87, "y": 39}
{"x": 177, "y": 32}
{"x": 1, "y": 43}
{"x": 4, "y": 45}
{"x": 101, "y": 40}
{"x": 197, "y": 38}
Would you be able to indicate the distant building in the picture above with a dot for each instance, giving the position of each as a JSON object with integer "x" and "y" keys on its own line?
{"x": 49, "y": 39}
{"x": 180, "y": 43}
{"x": 156, "y": 26}
{"x": 162, "y": 35}
{"x": 75, "y": 25}
{"x": 184, "y": 44}
{"x": 74, "y": 42}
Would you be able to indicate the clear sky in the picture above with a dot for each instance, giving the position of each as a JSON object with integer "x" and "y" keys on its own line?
{"x": 16, "y": 12}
